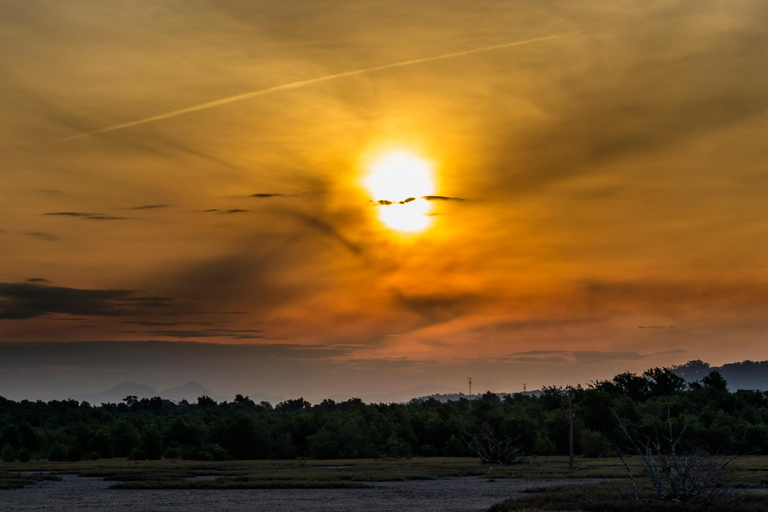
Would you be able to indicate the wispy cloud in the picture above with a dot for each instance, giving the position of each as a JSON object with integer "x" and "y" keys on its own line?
{"x": 83, "y": 215}
{"x": 34, "y": 299}
{"x": 224, "y": 212}
{"x": 154, "y": 323}
{"x": 42, "y": 236}
{"x": 234, "y": 334}
{"x": 312, "y": 81}
{"x": 584, "y": 356}
{"x": 386, "y": 202}
{"x": 148, "y": 207}
{"x": 442, "y": 198}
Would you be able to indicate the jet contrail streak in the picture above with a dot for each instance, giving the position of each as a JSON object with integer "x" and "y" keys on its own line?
{"x": 304, "y": 83}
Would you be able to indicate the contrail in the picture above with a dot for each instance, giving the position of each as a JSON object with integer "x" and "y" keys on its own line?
{"x": 304, "y": 83}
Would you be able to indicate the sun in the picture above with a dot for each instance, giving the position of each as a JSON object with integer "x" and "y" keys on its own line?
{"x": 399, "y": 182}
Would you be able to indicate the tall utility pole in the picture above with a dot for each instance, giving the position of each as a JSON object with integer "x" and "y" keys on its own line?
{"x": 570, "y": 428}
{"x": 470, "y": 392}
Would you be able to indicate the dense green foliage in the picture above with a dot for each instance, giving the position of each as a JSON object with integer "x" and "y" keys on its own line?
{"x": 717, "y": 420}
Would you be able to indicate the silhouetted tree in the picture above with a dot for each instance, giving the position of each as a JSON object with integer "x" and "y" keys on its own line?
{"x": 663, "y": 381}
{"x": 715, "y": 381}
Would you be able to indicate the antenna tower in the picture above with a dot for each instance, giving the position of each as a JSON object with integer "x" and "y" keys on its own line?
{"x": 469, "y": 379}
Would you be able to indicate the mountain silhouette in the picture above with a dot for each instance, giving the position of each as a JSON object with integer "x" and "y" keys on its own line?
{"x": 116, "y": 394}
{"x": 189, "y": 391}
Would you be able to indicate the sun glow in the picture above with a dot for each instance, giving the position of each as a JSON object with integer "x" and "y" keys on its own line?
{"x": 399, "y": 182}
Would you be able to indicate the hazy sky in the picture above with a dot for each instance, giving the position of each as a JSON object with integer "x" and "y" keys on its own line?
{"x": 604, "y": 191}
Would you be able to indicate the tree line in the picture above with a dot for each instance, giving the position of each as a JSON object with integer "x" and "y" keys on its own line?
{"x": 716, "y": 420}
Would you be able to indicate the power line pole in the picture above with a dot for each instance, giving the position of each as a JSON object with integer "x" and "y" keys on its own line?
{"x": 570, "y": 428}
{"x": 470, "y": 392}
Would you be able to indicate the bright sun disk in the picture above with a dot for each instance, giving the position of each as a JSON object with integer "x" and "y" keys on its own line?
{"x": 402, "y": 180}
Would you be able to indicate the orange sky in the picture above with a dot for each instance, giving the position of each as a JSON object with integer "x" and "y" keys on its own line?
{"x": 613, "y": 180}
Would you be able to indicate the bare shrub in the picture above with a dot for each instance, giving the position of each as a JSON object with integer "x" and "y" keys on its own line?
{"x": 492, "y": 449}
{"x": 675, "y": 473}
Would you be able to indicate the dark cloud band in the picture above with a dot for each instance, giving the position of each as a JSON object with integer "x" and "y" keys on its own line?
{"x": 24, "y": 300}
{"x": 83, "y": 215}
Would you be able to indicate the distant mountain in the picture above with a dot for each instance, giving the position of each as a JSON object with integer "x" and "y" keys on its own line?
{"x": 116, "y": 394}
{"x": 743, "y": 375}
{"x": 265, "y": 397}
{"x": 408, "y": 394}
{"x": 190, "y": 392}
{"x": 425, "y": 392}
{"x": 455, "y": 397}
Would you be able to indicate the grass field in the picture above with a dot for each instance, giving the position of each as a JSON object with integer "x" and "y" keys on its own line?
{"x": 14, "y": 480}
{"x": 750, "y": 473}
{"x": 182, "y": 474}
{"x": 604, "y": 498}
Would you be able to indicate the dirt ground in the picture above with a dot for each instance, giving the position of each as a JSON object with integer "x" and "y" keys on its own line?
{"x": 463, "y": 494}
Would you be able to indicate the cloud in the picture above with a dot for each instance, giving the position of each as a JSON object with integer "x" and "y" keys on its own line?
{"x": 389, "y": 364}
{"x": 439, "y": 307}
{"x": 149, "y": 141}
{"x": 228, "y": 279}
{"x": 442, "y": 198}
{"x": 328, "y": 229}
{"x": 224, "y": 212}
{"x": 157, "y": 143}
{"x": 386, "y": 202}
{"x": 113, "y": 355}
{"x": 583, "y": 356}
{"x": 86, "y": 216}
{"x": 37, "y": 280}
{"x": 42, "y": 236}
{"x": 149, "y": 207}
{"x": 539, "y": 359}
{"x": 234, "y": 334}
{"x": 30, "y": 300}
{"x": 669, "y": 297}
{"x": 637, "y": 100}
{"x": 537, "y": 324}
{"x": 565, "y": 116}
{"x": 312, "y": 81}
{"x": 153, "y": 323}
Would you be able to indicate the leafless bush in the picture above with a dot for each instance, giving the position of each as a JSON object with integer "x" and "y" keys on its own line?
{"x": 494, "y": 450}
{"x": 676, "y": 474}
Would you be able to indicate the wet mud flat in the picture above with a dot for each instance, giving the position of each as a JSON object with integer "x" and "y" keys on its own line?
{"x": 460, "y": 494}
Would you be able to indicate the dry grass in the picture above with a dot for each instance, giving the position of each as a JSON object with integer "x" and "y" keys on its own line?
{"x": 749, "y": 472}
{"x": 14, "y": 480}
{"x": 603, "y": 498}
